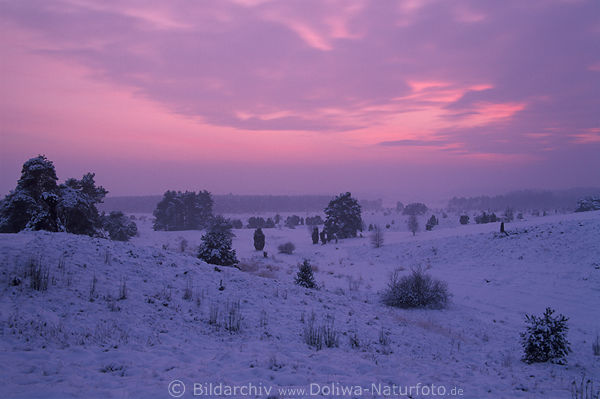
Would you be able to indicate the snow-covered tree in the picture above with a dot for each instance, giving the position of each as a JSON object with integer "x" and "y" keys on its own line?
{"x": 216, "y": 247}
{"x": 545, "y": 338}
{"x": 343, "y": 217}
{"x": 118, "y": 226}
{"x": 32, "y": 204}
{"x": 76, "y": 209}
{"x": 588, "y": 204}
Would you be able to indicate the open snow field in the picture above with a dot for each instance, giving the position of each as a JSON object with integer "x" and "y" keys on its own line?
{"x": 178, "y": 317}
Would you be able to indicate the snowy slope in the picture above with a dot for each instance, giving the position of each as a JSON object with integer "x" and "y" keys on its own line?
{"x": 71, "y": 342}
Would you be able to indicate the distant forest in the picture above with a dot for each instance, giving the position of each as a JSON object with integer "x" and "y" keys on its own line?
{"x": 231, "y": 203}
{"x": 524, "y": 200}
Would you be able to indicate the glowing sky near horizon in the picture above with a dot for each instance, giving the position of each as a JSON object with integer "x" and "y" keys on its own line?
{"x": 394, "y": 98}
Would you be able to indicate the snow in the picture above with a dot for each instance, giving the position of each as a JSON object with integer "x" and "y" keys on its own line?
{"x": 70, "y": 342}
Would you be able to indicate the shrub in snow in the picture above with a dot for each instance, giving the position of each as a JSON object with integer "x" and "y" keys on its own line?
{"x": 183, "y": 211}
{"x": 464, "y": 219}
{"x": 305, "y": 276}
{"x": 418, "y": 290}
{"x": 431, "y": 223}
{"x": 413, "y": 224}
{"x": 216, "y": 244}
{"x": 588, "y": 204}
{"x": 545, "y": 338}
{"x": 343, "y": 217}
{"x": 315, "y": 235}
{"x": 377, "y": 237}
{"x": 416, "y": 208}
{"x": 486, "y": 218}
{"x": 259, "y": 239}
{"x": 118, "y": 226}
{"x": 287, "y": 248}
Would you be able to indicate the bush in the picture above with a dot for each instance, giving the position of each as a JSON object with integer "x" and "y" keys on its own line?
{"x": 545, "y": 338}
{"x": 464, "y": 219}
{"x": 287, "y": 248}
{"x": 259, "y": 239}
{"x": 305, "y": 276}
{"x": 118, "y": 226}
{"x": 315, "y": 235}
{"x": 486, "y": 218}
{"x": 431, "y": 223}
{"x": 418, "y": 290}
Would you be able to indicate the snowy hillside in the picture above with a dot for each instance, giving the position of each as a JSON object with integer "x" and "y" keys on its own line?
{"x": 123, "y": 320}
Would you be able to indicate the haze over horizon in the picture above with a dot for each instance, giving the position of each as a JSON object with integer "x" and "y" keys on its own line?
{"x": 419, "y": 99}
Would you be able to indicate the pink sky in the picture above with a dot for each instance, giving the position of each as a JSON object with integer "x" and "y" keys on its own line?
{"x": 402, "y": 99}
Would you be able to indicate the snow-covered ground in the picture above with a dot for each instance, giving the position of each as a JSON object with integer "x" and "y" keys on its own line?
{"x": 78, "y": 339}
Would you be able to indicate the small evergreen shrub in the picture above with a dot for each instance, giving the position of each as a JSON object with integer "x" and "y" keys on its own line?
{"x": 216, "y": 247}
{"x": 118, "y": 226}
{"x": 259, "y": 239}
{"x": 431, "y": 223}
{"x": 545, "y": 338}
{"x": 315, "y": 235}
{"x": 418, "y": 290}
{"x": 287, "y": 248}
{"x": 464, "y": 219}
{"x": 305, "y": 276}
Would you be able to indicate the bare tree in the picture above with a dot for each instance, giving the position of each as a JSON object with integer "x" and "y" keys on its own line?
{"x": 413, "y": 224}
{"x": 377, "y": 237}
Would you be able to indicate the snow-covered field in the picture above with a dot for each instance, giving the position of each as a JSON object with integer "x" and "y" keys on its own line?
{"x": 78, "y": 339}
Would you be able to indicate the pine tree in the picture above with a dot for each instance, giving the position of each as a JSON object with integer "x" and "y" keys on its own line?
{"x": 305, "y": 276}
{"x": 545, "y": 338}
{"x": 76, "y": 209}
{"x": 183, "y": 211}
{"x": 32, "y": 204}
{"x": 259, "y": 239}
{"x": 343, "y": 217}
{"x": 216, "y": 247}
